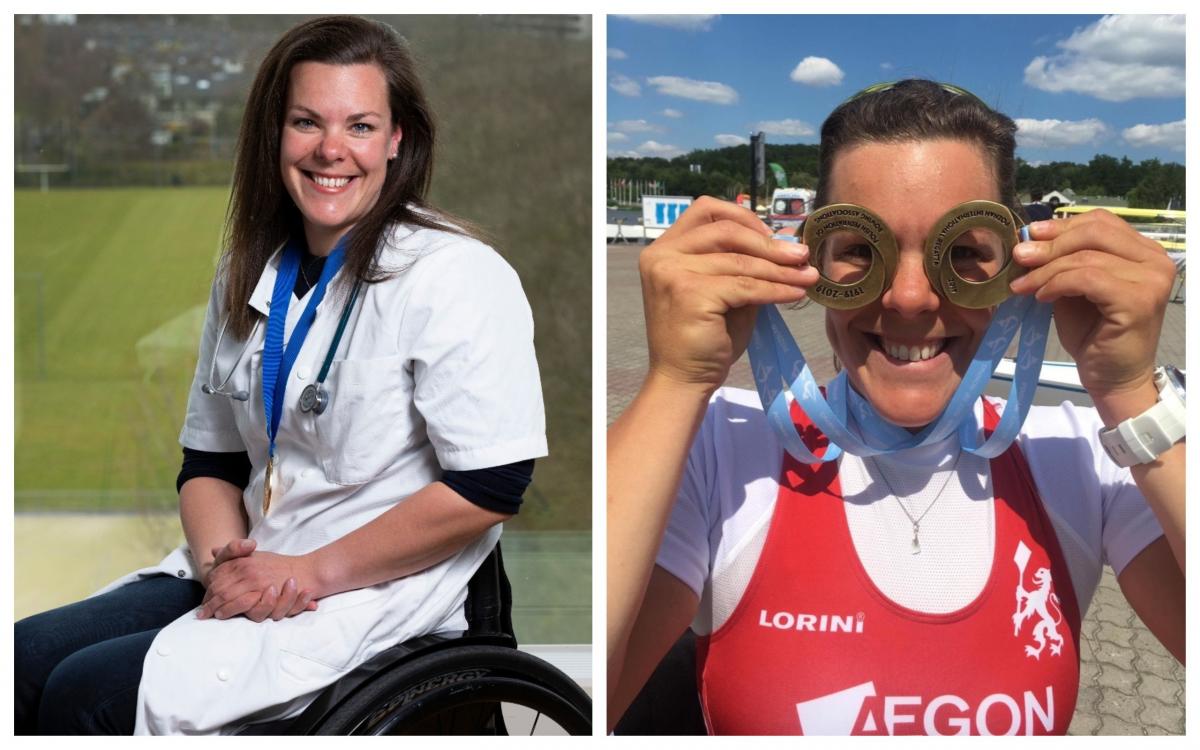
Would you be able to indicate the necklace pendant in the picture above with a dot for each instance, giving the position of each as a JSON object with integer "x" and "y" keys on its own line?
{"x": 916, "y": 543}
{"x": 266, "y": 505}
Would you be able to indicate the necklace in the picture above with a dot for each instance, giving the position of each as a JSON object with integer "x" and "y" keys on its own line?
{"x": 916, "y": 522}
{"x": 318, "y": 260}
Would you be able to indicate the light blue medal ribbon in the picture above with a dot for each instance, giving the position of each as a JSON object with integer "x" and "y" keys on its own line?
{"x": 277, "y": 362}
{"x": 775, "y": 356}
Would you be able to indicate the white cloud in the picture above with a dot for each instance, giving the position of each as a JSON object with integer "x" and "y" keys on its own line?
{"x": 725, "y": 139}
{"x": 818, "y": 71}
{"x": 616, "y": 54}
{"x": 1111, "y": 82}
{"x": 654, "y": 148}
{"x": 614, "y": 137}
{"x": 886, "y": 66}
{"x": 625, "y": 85}
{"x": 1144, "y": 39}
{"x": 1059, "y": 133}
{"x": 1116, "y": 59}
{"x": 682, "y": 22}
{"x": 636, "y": 126}
{"x": 668, "y": 112}
{"x": 790, "y": 128}
{"x": 701, "y": 91}
{"x": 1168, "y": 134}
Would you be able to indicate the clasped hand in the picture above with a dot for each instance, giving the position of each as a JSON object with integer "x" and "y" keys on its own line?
{"x": 1109, "y": 285}
{"x": 259, "y": 585}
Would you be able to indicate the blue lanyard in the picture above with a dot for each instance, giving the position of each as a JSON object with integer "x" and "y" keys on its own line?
{"x": 277, "y": 362}
{"x": 775, "y": 357}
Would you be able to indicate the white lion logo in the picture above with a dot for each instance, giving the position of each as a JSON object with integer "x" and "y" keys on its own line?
{"x": 1037, "y": 602}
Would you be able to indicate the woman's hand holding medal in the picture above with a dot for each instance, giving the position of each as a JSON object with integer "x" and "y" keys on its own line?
{"x": 1109, "y": 285}
{"x": 702, "y": 282}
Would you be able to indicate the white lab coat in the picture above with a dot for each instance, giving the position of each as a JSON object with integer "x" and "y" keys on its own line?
{"x": 436, "y": 371}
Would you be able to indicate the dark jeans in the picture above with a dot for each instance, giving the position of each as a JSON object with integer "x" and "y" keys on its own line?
{"x": 77, "y": 667}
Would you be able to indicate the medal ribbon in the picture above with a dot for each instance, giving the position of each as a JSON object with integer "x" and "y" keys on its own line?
{"x": 277, "y": 361}
{"x": 775, "y": 357}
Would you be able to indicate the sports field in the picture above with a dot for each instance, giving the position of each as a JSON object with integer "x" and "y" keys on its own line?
{"x": 101, "y": 372}
{"x": 110, "y": 293}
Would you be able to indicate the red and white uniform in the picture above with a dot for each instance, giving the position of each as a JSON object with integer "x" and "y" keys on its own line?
{"x": 805, "y": 624}
{"x": 815, "y": 648}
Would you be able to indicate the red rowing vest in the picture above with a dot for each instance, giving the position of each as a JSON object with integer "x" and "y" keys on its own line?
{"x": 813, "y": 646}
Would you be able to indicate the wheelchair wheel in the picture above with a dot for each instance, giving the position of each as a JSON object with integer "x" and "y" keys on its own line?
{"x": 467, "y": 690}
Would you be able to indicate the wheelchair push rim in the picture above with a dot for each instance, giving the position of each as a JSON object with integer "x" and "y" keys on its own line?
{"x": 469, "y": 690}
{"x": 495, "y": 705}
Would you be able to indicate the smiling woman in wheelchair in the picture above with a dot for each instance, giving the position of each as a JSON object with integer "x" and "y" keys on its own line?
{"x": 365, "y": 412}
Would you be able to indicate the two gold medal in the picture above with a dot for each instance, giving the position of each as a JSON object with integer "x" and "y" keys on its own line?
{"x": 968, "y": 254}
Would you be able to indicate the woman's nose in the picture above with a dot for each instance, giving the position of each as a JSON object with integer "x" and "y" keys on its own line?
{"x": 331, "y": 148}
{"x": 911, "y": 293}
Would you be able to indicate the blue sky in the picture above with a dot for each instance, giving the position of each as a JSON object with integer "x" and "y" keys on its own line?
{"x": 1076, "y": 85}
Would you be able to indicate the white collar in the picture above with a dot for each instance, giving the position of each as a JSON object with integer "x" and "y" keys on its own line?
{"x": 260, "y": 298}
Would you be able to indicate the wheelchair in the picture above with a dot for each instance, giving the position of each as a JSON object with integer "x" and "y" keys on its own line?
{"x": 475, "y": 682}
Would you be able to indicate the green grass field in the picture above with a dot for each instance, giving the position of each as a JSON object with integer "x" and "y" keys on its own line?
{"x": 110, "y": 293}
{"x": 97, "y": 271}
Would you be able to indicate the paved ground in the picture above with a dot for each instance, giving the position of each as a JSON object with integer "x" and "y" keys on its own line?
{"x": 1129, "y": 684}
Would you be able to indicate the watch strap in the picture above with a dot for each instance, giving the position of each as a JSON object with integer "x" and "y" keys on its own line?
{"x": 1144, "y": 438}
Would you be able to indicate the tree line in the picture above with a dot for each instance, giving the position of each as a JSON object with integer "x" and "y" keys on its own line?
{"x": 725, "y": 172}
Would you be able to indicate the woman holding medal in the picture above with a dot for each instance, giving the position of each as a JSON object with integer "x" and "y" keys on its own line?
{"x": 365, "y": 412}
{"x": 898, "y": 555}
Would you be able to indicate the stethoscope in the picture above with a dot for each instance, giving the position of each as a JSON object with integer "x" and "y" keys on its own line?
{"x": 315, "y": 397}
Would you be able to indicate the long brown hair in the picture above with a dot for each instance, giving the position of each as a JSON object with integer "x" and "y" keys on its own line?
{"x": 915, "y": 110}
{"x": 261, "y": 214}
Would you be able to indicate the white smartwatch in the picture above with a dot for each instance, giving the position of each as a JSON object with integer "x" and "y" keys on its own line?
{"x": 1141, "y": 439}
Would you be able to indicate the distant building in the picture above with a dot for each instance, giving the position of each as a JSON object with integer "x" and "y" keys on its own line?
{"x": 1060, "y": 197}
{"x": 561, "y": 25}
{"x": 1069, "y": 197}
{"x": 48, "y": 19}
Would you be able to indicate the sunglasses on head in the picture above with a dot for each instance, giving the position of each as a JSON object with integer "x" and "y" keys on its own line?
{"x": 879, "y": 88}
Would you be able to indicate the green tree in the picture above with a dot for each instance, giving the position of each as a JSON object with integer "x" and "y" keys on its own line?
{"x": 1161, "y": 184}
{"x": 726, "y": 171}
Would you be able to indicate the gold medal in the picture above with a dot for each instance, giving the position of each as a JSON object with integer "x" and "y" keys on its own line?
{"x": 267, "y": 485}
{"x": 989, "y": 285}
{"x": 968, "y": 254}
{"x": 839, "y": 287}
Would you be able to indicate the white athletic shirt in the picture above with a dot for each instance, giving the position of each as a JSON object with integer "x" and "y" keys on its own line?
{"x": 730, "y": 483}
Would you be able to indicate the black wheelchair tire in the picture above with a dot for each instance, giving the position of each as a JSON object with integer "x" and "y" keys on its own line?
{"x": 404, "y": 700}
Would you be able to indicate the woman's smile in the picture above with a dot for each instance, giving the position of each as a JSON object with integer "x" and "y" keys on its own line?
{"x": 916, "y": 352}
{"x": 328, "y": 184}
{"x": 906, "y": 352}
{"x": 337, "y": 140}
